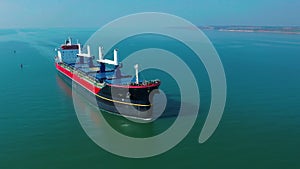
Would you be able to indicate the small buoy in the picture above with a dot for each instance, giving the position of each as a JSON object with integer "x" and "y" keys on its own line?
{"x": 21, "y": 65}
{"x": 15, "y": 51}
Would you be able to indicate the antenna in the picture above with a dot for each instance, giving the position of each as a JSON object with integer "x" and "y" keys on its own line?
{"x": 69, "y": 41}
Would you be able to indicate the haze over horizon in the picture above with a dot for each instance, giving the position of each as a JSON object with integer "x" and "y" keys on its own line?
{"x": 75, "y": 13}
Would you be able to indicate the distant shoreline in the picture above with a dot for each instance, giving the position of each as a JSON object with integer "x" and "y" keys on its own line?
{"x": 255, "y": 29}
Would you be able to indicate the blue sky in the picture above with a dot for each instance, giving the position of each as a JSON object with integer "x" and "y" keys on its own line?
{"x": 76, "y": 13}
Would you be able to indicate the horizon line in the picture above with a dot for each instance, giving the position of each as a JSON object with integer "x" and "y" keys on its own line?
{"x": 95, "y": 27}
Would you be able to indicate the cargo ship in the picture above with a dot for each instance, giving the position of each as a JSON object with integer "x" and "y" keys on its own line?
{"x": 102, "y": 79}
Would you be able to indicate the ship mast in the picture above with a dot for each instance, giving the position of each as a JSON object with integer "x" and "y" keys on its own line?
{"x": 107, "y": 61}
{"x": 88, "y": 54}
{"x": 136, "y": 67}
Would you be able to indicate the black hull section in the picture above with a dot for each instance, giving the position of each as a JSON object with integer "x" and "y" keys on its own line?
{"x": 132, "y": 103}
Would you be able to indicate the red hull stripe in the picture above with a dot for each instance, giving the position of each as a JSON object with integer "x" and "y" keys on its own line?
{"x": 79, "y": 80}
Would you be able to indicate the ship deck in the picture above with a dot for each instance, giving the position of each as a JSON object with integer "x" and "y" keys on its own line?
{"x": 109, "y": 76}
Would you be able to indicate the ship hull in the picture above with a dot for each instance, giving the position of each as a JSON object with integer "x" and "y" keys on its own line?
{"x": 136, "y": 106}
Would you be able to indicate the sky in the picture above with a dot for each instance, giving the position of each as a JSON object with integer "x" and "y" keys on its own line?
{"x": 96, "y": 13}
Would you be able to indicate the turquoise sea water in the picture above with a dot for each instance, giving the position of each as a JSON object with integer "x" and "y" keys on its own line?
{"x": 260, "y": 127}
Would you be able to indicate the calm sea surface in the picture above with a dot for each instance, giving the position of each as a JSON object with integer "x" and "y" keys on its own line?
{"x": 260, "y": 127}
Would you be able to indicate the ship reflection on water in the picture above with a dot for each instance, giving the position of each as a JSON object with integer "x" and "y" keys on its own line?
{"x": 63, "y": 85}
{"x": 93, "y": 120}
